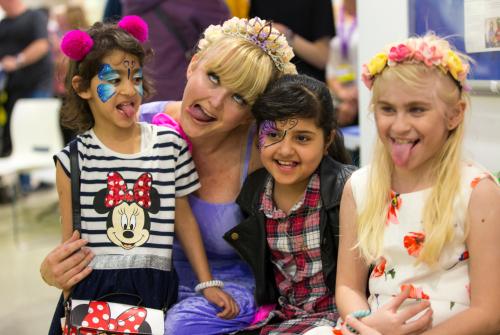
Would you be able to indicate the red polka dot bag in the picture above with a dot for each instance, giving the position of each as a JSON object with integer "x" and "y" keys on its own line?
{"x": 101, "y": 317}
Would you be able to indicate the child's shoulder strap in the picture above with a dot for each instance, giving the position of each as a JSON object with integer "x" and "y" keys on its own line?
{"x": 75, "y": 184}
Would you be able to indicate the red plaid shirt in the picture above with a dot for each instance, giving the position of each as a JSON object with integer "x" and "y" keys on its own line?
{"x": 294, "y": 240}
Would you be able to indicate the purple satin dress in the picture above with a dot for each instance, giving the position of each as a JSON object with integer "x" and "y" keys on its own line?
{"x": 193, "y": 314}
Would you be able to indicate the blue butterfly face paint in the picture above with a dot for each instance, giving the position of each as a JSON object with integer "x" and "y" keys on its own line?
{"x": 110, "y": 79}
{"x": 272, "y": 132}
{"x": 138, "y": 82}
{"x": 109, "y": 76}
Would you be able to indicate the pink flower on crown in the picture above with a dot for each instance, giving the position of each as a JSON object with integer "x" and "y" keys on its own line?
{"x": 428, "y": 54}
{"x": 366, "y": 77}
{"x": 398, "y": 54}
{"x": 463, "y": 75}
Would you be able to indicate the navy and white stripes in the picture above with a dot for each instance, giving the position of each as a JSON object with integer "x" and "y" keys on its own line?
{"x": 166, "y": 157}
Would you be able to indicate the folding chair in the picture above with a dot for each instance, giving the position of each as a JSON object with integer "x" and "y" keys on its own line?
{"x": 36, "y": 137}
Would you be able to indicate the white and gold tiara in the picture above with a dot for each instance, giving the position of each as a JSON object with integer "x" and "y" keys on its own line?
{"x": 259, "y": 32}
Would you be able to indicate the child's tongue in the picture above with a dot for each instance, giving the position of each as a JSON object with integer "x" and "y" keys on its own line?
{"x": 128, "y": 110}
{"x": 401, "y": 153}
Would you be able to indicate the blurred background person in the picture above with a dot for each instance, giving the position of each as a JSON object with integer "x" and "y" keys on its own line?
{"x": 175, "y": 27}
{"x": 308, "y": 26}
{"x": 63, "y": 18}
{"x": 341, "y": 70}
{"x": 25, "y": 58}
{"x": 112, "y": 10}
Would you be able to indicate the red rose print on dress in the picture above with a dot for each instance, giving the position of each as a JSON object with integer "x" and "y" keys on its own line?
{"x": 464, "y": 256}
{"x": 414, "y": 242}
{"x": 476, "y": 180}
{"x": 415, "y": 292}
{"x": 379, "y": 269}
{"x": 392, "y": 213}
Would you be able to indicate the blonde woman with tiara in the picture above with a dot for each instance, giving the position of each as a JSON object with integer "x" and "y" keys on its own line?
{"x": 420, "y": 224}
{"x": 233, "y": 64}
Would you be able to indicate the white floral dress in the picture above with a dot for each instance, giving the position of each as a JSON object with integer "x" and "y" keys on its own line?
{"x": 446, "y": 285}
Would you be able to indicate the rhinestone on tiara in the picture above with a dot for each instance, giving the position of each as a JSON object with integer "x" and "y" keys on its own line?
{"x": 259, "y": 32}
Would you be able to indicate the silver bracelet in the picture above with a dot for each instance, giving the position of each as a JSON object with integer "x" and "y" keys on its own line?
{"x": 210, "y": 283}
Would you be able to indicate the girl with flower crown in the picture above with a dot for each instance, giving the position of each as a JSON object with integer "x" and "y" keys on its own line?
{"x": 420, "y": 216}
{"x": 134, "y": 177}
{"x": 232, "y": 66}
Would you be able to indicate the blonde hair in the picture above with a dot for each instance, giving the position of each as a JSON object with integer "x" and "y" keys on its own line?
{"x": 446, "y": 170}
{"x": 243, "y": 63}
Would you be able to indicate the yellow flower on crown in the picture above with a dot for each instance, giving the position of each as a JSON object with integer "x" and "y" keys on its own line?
{"x": 454, "y": 64}
{"x": 377, "y": 63}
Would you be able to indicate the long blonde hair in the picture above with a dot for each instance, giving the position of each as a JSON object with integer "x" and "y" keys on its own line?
{"x": 446, "y": 172}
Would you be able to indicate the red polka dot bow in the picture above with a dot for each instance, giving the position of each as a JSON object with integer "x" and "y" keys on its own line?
{"x": 118, "y": 192}
{"x": 99, "y": 319}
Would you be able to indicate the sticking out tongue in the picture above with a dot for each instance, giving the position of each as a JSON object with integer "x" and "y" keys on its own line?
{"x": 128, "y": 110}
{"x": 401, "y": 153}
{"x": 198, "y": 114}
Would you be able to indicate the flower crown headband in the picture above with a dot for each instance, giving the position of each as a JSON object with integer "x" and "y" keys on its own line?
{"x": 257, "y": 31}
{"x": 76, "y": 44}
{"x": 428, "y": 50}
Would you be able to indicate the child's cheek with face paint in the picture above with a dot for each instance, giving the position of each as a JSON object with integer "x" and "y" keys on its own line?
{"x": 106, "y": 74}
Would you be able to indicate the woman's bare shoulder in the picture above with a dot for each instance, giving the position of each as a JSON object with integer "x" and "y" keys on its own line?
{"x": 173, "y": 109}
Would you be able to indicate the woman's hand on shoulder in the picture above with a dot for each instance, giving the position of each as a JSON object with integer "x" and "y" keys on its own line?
{"x": 391, "y": 319}
{"x": 217, "y": 296}
{"x": 67, "y": 264}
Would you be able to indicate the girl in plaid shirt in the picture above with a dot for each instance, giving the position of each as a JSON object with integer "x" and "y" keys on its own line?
{"x": 290, "y": 233}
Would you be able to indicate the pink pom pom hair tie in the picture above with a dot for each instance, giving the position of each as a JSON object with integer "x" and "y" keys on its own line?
{"x": 135, "y": 26}
{"x": 76, "y": 44}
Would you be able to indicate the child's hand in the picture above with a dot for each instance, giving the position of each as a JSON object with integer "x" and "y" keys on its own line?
{"x": 230, "y": 308}
{"x": 389, "y": 320}
{"x": 359, "y": 326}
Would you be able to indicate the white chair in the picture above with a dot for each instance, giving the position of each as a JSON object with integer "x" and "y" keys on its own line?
{"x": 36, "y": 137}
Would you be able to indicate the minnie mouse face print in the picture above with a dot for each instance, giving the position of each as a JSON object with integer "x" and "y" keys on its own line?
{"x": 128, "y": 221}
{"x": 128, "y": 226}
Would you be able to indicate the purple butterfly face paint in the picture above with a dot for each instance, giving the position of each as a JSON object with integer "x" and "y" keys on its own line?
{"x": 272, "y": 132}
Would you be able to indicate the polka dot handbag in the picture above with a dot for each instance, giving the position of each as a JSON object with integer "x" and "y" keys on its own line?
{"x": 101, "y": 317}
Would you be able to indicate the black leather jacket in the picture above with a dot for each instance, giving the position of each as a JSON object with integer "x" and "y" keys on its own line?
{"x": 249, "y": 237}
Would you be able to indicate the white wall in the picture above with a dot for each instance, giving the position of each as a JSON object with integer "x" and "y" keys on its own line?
{"x": 385, "y": 21}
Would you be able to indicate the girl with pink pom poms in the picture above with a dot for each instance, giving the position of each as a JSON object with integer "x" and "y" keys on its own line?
{"x": 134, "y": 177}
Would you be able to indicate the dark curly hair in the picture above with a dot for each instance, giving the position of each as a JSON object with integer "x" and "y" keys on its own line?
{"x": 302, "y": 96}
{"x": 108, "y": 37}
